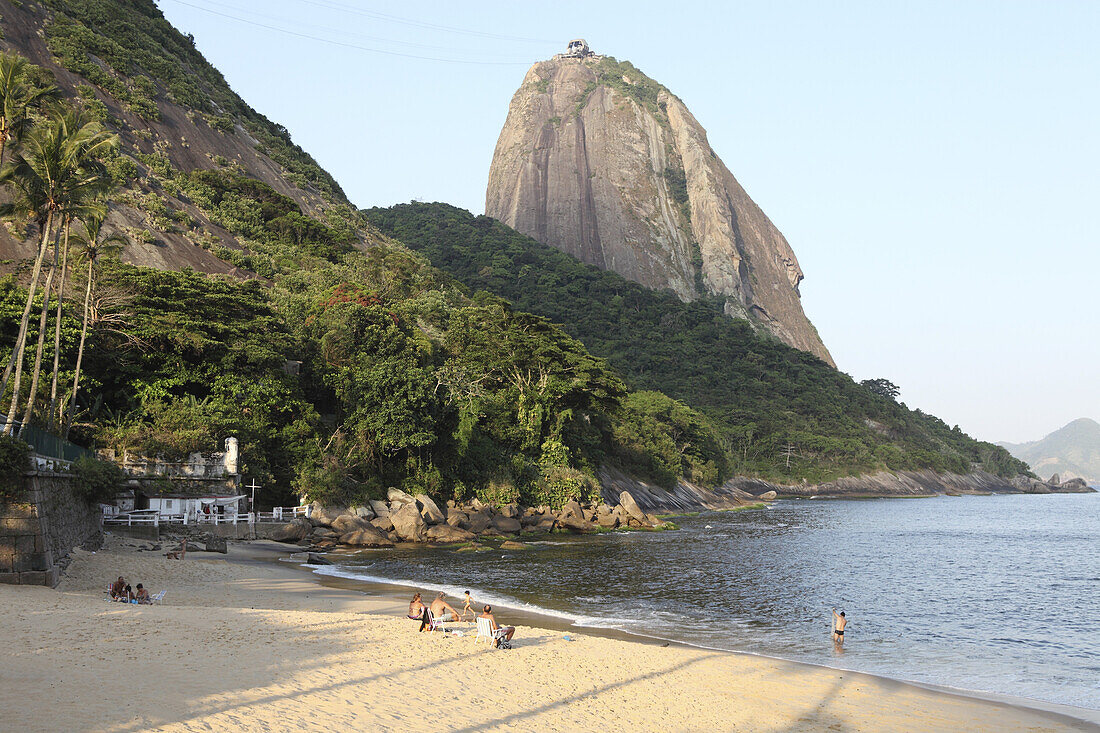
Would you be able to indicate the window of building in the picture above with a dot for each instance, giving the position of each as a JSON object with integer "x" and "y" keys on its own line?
{"x": 167, "y": 503}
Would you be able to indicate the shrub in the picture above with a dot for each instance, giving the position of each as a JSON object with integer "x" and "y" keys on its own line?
{"x": 14, "y": 455}
{"x": 97, "y": 481}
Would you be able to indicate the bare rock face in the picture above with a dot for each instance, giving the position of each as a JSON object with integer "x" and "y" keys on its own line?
{"x": 602, "y": 162}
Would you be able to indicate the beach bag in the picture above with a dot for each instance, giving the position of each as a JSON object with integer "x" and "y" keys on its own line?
{"x": 503, "y": 643}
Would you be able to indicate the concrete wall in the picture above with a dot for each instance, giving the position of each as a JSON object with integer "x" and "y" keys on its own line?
{"x": 39, "y": 531}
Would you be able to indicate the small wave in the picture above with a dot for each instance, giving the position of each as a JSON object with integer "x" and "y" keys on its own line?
{"x": 341, "y": 571}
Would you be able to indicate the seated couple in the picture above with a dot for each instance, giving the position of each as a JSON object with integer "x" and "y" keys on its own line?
{"x": 124, "y": 593}
{"x": 440, "y": 609}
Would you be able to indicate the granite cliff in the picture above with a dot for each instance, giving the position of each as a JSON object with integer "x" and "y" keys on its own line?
{"x": 604, "y": 163}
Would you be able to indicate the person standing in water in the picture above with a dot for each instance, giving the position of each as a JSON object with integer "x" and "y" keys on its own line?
{"x": 839, "y": 622}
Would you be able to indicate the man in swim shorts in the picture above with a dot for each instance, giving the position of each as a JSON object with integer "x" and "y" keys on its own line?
{"x": 839, "y": 622}
{"x": 442, "y": 610}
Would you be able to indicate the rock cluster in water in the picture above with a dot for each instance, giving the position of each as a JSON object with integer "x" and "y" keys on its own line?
{"x": 406, "y": 518}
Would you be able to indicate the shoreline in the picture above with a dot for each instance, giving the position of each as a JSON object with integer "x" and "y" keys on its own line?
{"x": 248, "y": 642}
{"x": 398, "y": 592}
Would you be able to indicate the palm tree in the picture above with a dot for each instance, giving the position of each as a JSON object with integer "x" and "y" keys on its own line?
{"x": 20, "y": 92}
{"x": 55, "y": 169}
{"x": 93, "y": 245}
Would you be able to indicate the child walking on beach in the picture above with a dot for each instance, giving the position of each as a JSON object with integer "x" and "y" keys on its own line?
{"x": 468, "y": 607}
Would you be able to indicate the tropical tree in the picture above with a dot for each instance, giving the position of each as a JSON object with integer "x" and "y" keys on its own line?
{"x": 93, "y": 245}
{"x": 22, "y": 90}
{"x": 55, "y": 171}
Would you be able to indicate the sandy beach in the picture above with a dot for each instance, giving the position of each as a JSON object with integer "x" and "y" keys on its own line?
{"x": 244, "y": 643}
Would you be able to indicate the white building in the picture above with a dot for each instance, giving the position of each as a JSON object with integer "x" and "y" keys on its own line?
{"x": 198, "y": 506}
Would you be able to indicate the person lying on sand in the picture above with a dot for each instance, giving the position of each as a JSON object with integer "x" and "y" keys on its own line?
{"x": 416, "y": 608}
{"x": 839, "y": 622}
{"x": 508, "y": 630}
{"x": 142, "y": 595}
{"x": 118, "y": 588}
{"x": 442, "y": 610}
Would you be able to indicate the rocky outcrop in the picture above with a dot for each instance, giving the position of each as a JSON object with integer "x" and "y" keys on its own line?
{"x": 602, "y": 162}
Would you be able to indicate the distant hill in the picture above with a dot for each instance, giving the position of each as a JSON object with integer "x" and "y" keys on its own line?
{"x": 1072, "y": 451}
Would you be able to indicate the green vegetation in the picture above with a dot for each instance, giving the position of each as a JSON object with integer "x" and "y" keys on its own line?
{"x": 14, "y": 458}
{"x": 97, "y": 481}
{"x": 757, "y": 394}
{"x": 146, "y": 59}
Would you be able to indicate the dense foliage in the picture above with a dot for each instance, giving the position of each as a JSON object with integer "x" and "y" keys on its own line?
{"x": 759, "y": 394}
{"x": 350, "y": 371}
{"x": 14, "y": 462}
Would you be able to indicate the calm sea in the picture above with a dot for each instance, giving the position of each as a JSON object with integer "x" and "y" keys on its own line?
{"x": 996, "y": 593}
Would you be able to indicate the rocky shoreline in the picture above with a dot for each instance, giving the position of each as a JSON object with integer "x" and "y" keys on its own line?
{"x": 627, "y": 504}
{"x": 404, "y": 518}
{"x": 883, "y": 484}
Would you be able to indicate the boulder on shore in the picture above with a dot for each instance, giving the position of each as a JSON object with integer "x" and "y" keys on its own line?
{"x": 768, "y": 496}
{"x": 349, "y": 523}
{"x": 216, "y": 544}
{"x": 456, "y": 518}
{"x": 512, "y": 545}
{"x": 366, "y": 512}
{"x": 626, "y": 501}
{"x": 326, "y": 514}
{"x": 293, "y": 531}
{"x": 576, "y": 524}
{"x": 384, "y": 524}
{"x": 506, "y": 525}
{"x": 607, "y": 521}
{"x": 429, "y": 510}
{"x": 381, "y": 508}
{"x": 397, "y": 496}
{"x": 368, "y": 536}
{"x": 477, "y": 522}
{"x": 511, "y": 511}
{"x": 572, "y": 508}
{"x": 446, "y": 534}
{"x": 408, "y": 524}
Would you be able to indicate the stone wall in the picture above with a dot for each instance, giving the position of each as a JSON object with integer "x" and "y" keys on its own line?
{"x": 38, "y": 532}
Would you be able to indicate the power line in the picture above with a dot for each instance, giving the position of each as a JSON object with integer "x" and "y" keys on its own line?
{"x": 328, "y": 31}
{"x": 345, "y": 44}
{"x": 332, "y": 5}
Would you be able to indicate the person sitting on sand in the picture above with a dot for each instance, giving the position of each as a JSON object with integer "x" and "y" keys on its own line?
{"x": 508, "y": 630}
{"x": 839, "y": 622}
{"x": 142, "y": 595}
{"x": 118, "y": 588}
{"x": 468, "y": 607}
{"x": 416, "y": 608}
{"x": 443, "y": 611}
{"x": 127, "y": 595}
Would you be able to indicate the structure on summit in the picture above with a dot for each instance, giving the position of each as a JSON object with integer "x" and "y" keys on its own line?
{"x": 577, "y": 49}
{"x": 604, "y": 163}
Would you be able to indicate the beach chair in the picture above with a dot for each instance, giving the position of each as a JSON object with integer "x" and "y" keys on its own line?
{"x": 485, "y": 631}
{"x": 437, "y": 623}
{"x": 156, "y": 598}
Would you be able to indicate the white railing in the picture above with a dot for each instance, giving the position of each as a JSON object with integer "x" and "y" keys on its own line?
{"x": 131, "y": 520}
{"x": 145, "y": 518}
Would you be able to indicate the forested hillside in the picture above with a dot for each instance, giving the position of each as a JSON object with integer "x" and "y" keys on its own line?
{"x": 765, "y": 399}
{"x": 343, "y": 363}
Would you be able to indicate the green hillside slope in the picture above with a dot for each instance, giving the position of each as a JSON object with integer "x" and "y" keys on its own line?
{"x": 344, "y": 363}
{"x": 1070, "y": 451}
{"x": 760, "y": 394}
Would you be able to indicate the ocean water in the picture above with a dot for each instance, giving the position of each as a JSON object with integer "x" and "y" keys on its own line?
{"x": 997, "y": 593}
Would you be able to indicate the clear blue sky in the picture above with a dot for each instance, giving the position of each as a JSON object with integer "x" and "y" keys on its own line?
{"x": 935, "y": 165}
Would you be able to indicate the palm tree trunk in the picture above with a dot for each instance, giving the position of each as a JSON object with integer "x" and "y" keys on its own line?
{"x": 21, "y": 339}
{"x": 32, "y": 394}
{"x": 57, "y": 331}
{"x": 80, "y": 351}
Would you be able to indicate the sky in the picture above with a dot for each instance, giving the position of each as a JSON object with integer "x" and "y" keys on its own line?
{"x": 934, "y": 165}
